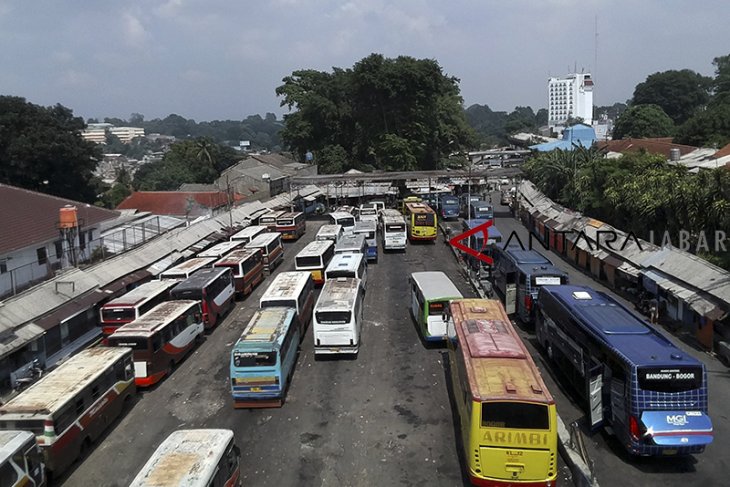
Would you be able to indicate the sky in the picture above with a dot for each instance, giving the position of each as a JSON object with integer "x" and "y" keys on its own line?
{"x": 223, "y": 59}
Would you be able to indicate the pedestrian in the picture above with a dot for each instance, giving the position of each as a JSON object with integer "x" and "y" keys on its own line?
{"x": 653, "y": 312}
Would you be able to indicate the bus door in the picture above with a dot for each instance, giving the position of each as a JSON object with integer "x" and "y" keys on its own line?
{"x": 594, "y": 389}
{"x": 510, "y": 291}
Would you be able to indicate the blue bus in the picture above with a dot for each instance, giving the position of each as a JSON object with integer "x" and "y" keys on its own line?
{"x": 476, "y": 242}
{"x": 369, "y": 228}
{"x": 448, "y": 206}
{"x": 263, "y": 358}
{"x": 482, "y": 210}
{"x": 652, "y": 394}
{"x": 517, "y": 276}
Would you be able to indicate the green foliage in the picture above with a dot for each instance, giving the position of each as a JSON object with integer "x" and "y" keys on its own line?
{"x": 41, "y": 149}
{"x": 612, "y": 111}
{"x": 721, "y": 83}
{"x": 489, "y": 125}
{"x": 189, "y": 161}
{"x": 331, "y": 159}
{"x": 641, "y": 121}
{"x": 387, "y": 113}
{"x": 679, "y": 93}
{"x": 710, "y": 128}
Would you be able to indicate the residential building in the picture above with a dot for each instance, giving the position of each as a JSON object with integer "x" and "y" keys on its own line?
{"x": 187, "y": 205}
{"x": 570, "y": 97}
{"x": 97, "y": 132}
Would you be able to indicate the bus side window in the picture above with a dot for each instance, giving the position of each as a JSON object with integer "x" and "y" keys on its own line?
{"x": 523, "y": 279}
{"x": 510, "y": 277}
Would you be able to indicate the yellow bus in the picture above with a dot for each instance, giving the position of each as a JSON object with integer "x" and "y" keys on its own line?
{"x": 507, "y": 417}
{"x": 421, "y": 221}
{"x": 408, "y": 199}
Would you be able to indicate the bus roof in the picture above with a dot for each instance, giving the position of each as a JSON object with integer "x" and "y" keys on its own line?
{"x": 272, "y": 214}
{"x": 394, "y": 219}
{"x": 497, "y": 363}
{"x": 390, "y": 212}
{"x": 289, "y": 215}
{"x": 267, "y": 327}
{"x": 264, "y": 239}
{"x": 365, "y": 225}
{"x": 449, "y": 198}
{"x": 199, "y": 279}
{"x": 616, "y": 326}
{"x": 419, "y": 208}
{"x": 338, "y": 294}
{"x": 315, "y": 248}
{"x": 329, "y": 229}
{"x": 493, "y": 231}
{"x": 54, "y": 390}
{"x": 355, "y": 241}
{"x": 221, "y": 249}
{"x": 187, "y": 458}
{"x": 249, "y": 232}
{"x": 436, "y": 285}
{"x": 141, "y": 294}
{"x": 188, "y": 266}
{"x": 521, "y": 256}
{"x": 236, "y": 257}
{"x": 341, "y": 214}
{"x": 287, "y": 285}
{"x": 344, "y": 261}
{"x": 11, "y": 441}
{"x": 159, "y": 316}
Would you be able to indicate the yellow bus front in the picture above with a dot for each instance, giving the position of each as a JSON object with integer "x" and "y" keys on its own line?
{"x": 512, "y": 443}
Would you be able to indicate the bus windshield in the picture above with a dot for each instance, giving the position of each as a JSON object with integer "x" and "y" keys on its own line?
{"x": 519, "y": 415}
{"x": 451, "y": 201}
{"x": 347, "y": 221}
{"x": 393, "y": 227}
{"x": 333, "y": 317}
{"x": 254, "y": 359}
{"x": 336, "y": 274}
{"x": 285, "y": 223}
{"x": 368, "y": 211}
{"x": 310, "y": 261}
{"x": 424, "y": 220}
{"x": 436, "y": 307}
{"x": 665, "y": 379}
{"x": 135, "y": 343}
{"x": 118, "y": 314}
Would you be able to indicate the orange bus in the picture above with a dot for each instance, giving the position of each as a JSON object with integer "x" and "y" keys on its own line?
{"x": 291, "y": 225}
{"x": 507, "y": 417}
{"x": 247, "y": 266}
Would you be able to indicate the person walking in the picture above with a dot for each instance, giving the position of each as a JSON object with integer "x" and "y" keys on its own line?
{"x": 653, "y": 312}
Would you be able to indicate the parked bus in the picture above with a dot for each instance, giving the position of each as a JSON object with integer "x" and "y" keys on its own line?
{"x": 132, "y": 305}
{"x": 394, "y": 233}
{"x": 185, "y": 269}
{"x": 263, "y": 358}
{"x": 221, "y": 249}
{"x": 271, "y": 248}
{"x": 368, "y": 212}
{"x": 338, "y": 317}
{"x": 292, "y": 290}
{"x": 330, "y": 232}
{"x": 72, "y": 405}
{"x": 291, "y": 225}
{"x": 160, "y": 339}
{"x": 476, "y": 242}
{"x": 213, "y": 288}
{"x": 652, "y": 394}
{"x": 448, "y": 206}
{"x": 466, "y": 200}
{"x": 193, "y": 458}
{"x": 247, "y": 267}
{"x": 346, "y": 220}
{"x": 268, "y": 220}
{"x": 481, "y": 210}
{"x": 348, "y": 265}
{"x": 249, "y": 233}
{"x": 422, "y": 222}
{"x": 431, "y": 292}
{"x": 406, "y": 200}
{"x": 21, "y": 462}
{"x": 314, "y": 258}
{"x": 507, "y": 417}
{"x": 517, "y": 276}
{"x": 369, "y": 228}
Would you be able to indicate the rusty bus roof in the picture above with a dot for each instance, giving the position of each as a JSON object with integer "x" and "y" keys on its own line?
{"x": 141, "y": 294}
{"x": 338, "y": 294}
{"x": 60, "y": 386}
{"x": 266, "y": 327}
{"x": 315, "y": 248}
{"x": 187, "y": 458}
{"x": 156, "y": 318}
{"x": 287, "y": 285}
{"x": 186, "y": 268}
{"x": 264, "y": 239}
{"x": 498, "y": 365}
{"x": 249, "y": 232}
{"x": 236, "y": 257}
{"x": 221, "y": 249}
{"x": 419, "y": 208}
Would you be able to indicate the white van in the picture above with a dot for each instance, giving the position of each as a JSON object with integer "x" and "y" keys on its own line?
{"x": 348, "y": 265}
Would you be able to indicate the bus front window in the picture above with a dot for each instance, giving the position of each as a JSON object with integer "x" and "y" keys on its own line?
{"x": 519, "y": 415}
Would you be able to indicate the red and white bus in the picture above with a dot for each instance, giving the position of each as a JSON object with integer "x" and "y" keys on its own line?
{"x": 247, "y": 266}
{"x": 271, "y": 247}
{"x": 160, "y": 339}
{"x": 185, "y": 269}
{"x": 213, "y": 288}
{"x": 72, "y": 405}
{"x": 249, "y": 233}
{"x": 132, "y": 305}
{"x": 268, "y": 220}
{"x": 291, "y": 225}
{"x": 221, "y": 249}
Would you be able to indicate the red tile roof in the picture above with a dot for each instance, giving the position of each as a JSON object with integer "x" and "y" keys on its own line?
{"x": 175, "y": 202}
{"x": 659, "y": 145}
{"x": 725, "y": 151}
{"x": 29, "y": 217}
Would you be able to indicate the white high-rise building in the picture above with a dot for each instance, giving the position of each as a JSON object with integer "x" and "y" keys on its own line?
{"x": 570, "y": 97}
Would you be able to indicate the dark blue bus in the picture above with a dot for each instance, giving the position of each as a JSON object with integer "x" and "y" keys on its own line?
{"x": 476, "y": 242}
{"x": 651, "y": 393}
{"x": 448, "y": 206}
{"x": 482, "y": 210}
{"x": 518, "y": 275}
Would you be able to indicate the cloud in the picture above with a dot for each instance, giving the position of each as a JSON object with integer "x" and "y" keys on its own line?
{"x": 135, "y": 35}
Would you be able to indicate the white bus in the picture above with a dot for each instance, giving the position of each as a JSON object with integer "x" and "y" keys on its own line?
{"x": 368, "y": 212}
{"x": 271, "y": 248}
{"x": 185, "y": 269}
{"x": 394, "y": 234}
{"x": 343, "y": 218}
{"x": 294, "y": 289}
{"x": 21, "y": 464}
{"x": 352, "y": 244}
{"x": 221, "y": 249}
{"x": 193, "y": 458}
{"x": 337, "y": 320}
{"x": 330, "y": 232}
{"x": 431, "y": 292}
{"x": 314, "y": 258}
{"x": 249, "y": 233}
{"x": 348, "y": 265}
{"x": 71, "y": 407}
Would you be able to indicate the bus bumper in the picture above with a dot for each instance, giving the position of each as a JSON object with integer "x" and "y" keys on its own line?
{"x": 251, "y": 403}
{"x": 337, "y": 350}
{"x": 150, "y": 380}
{"x": 482, "y": 482}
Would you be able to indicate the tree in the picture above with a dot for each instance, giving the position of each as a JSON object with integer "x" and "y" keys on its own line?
{"x": 612, "y": 112}
{"x": 522, "y": 118}
{"x": 679, "y": 93}
{"x": 331, "y": 159}
{"x": 41, "y": 149}
{"x": 541, "y": 117}
{"x": 182, "y": 164}
{"x": 641, "y": 121}
{"x": 721, "y": 83}
{"x": 710, "y": 128}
